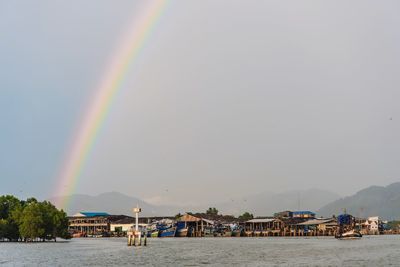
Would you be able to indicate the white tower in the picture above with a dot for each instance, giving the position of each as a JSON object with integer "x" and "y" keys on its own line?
{"x": 136, "y": 211}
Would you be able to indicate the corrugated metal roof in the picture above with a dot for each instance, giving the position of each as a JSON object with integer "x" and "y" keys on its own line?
{"x": 191, "y": 218}
{"x": 260, "y": 220}
{"x": 126, "y": 220}
{"x": 208, "y": 221}
{"x": 316, "y": 221}
{"x": 91, "y": 214}
{"x": 303, "y": 212}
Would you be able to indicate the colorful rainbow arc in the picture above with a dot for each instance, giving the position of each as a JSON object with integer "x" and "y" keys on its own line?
{"x": 90, "y": 126}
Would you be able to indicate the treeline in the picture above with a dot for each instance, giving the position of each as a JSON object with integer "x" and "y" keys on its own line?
{"x": 213, "y": 213}
{"x": 31, "y": 220}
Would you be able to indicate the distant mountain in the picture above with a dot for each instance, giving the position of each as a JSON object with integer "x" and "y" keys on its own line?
{"x": 266, "y": 204}
{"x": 114, "y": 203}
{"x": 372, "y": 201}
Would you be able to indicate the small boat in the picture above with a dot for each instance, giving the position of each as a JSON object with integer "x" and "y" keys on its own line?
{"x": 346, "y": 229}
{"x": 352, "y": 234}
{"x": 95, "y": 235}
{"x": 78, "y": 234}
{"x": 208, "y": 232}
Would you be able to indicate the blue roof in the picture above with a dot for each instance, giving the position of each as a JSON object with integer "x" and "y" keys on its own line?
{"x": 303, "y": 212}
{"x": 94, "y": 214}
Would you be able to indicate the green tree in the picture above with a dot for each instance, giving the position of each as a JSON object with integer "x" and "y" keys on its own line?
{"x": 7, "y": 205}
{"x": 393, "y": 225}
{"x": 8, "y": 225}
{"x": 31, "y": 223}
{"x": 246, "y": 216}
{"x": 60, "y": 221}
{"x": 31, "y": 219}
{"x": 212, "y": 211}
{"x": 3, "y": 228}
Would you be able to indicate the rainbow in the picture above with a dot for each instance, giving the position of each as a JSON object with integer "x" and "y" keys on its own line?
{"x": 92, "y": 122}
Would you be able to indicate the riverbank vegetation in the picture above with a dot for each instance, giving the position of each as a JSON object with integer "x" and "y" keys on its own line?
{"x": 212, "y": 213}
{"x": 30, "y": 220}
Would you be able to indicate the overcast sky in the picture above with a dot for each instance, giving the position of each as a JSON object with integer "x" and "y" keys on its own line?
{"x": 227, "y": 98}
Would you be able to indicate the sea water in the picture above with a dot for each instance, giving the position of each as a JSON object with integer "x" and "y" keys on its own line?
{"x": 239, "y": 251}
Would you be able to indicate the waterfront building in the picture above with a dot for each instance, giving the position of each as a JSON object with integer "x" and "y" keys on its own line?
{"x": 196, "y": 225}
{"x": 295, "y": 214}
{"x": 371, "y": 226}
{"x": 290, "y": 226}
{"x": 264, "y": 227}
{"x": 284, "y": 214}
{"x": 91, "y": 223}
{"x": 303, "y": 214}
{"x": 121, "y": 227}
{"x": 90, "y": 214}
{"x": 124, "y": 225}
{"x": 318, "y": 226}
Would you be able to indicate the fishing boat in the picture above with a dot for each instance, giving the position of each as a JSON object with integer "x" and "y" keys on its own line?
{"x": 209, "y": 232}
{"x": 182, "y": 232}
{"x": 152, "y": 230}
{"x": 181, "y": 229}
{"x": 237, "y": 230}
{"x": 165, "y": 228}
{"x": 224, "y": 230}
{"x": 152, "y": 233}
{"x": 346, "y": 229}
{"x": 168, "y": 232}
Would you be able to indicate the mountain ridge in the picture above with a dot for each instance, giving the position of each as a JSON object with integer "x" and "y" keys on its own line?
{"x": 382, "y": 201}
{"x": 261, "y": 204}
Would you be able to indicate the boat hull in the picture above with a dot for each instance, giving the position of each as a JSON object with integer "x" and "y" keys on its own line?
{"x": 236, "y": 233}
{"x": 227, "y": 234}
{"x": 167, "y": 233}
{"x": 152, "y": 234}
{"x": 349, "y": 235}
{"x": 182, "y": 232}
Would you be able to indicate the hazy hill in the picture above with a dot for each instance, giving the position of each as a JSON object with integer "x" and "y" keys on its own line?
{"x": 114, "y": 203}
{"x": 268, "y": 203}
{"x": 260, "y": 204}
{"x": 372, "y": 201}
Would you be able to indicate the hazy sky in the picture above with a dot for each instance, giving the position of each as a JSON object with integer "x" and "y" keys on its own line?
{"x": 228, "y": 98}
